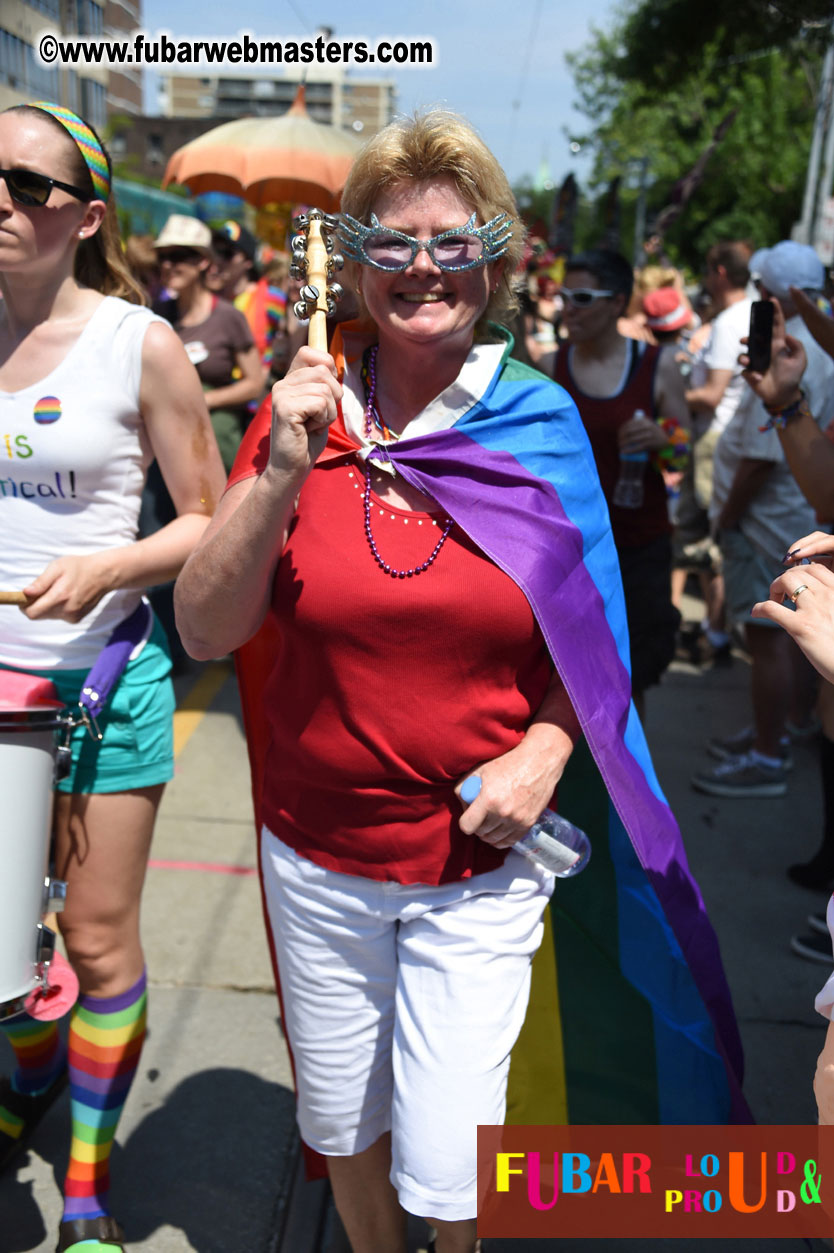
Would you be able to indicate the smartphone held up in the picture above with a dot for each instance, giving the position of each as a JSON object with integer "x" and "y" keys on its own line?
{"x": 761, "y": 334}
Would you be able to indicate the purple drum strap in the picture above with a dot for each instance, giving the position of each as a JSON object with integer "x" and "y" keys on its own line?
{"x": 111, "y": 661}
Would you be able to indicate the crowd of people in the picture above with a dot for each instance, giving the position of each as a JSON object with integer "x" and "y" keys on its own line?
{"x": 737, "y": 500}
{"x": 539, "y": 504}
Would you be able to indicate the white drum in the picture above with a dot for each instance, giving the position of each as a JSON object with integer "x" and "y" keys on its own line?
{"x": 28, "y": 749}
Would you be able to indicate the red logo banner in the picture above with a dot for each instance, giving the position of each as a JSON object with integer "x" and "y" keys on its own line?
{"x": 650, "y": 1182}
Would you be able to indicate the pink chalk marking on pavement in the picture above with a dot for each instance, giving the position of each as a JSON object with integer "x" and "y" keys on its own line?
{"x": 212, "y": 867}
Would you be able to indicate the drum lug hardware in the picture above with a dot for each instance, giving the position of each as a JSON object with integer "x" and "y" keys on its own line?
{"x": 54, "y": 895}
{"x": 45, "y": 951}
{"x": 63, "y": 762}
{"x": 63, "y": 752}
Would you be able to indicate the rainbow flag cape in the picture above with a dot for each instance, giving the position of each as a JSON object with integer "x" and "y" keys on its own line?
{"x": 630, "y": 1019}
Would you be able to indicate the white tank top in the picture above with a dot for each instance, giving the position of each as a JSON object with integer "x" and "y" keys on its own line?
{"x": 73, "y": 458}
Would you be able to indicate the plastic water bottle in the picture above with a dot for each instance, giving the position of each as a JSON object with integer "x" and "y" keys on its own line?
{"x": 553, "y": 842}
{"x": 629, "y": 489}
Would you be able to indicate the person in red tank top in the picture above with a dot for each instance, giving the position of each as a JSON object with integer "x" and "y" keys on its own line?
{"x": 611, "y": 377}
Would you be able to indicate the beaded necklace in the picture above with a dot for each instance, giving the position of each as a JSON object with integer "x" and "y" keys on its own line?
{"x": 372, "y": 419}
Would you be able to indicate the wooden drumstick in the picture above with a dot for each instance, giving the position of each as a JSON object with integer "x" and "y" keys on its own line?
{"x": 317, "y": 277}
{"x": 13, "y": 598}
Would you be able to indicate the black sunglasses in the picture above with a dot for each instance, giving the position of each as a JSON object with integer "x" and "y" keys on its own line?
{"x": 178, "y": 255}
{"x": 29, "y": 188}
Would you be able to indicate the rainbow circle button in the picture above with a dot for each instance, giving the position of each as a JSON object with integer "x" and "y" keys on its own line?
{"x": 47, "y": 410}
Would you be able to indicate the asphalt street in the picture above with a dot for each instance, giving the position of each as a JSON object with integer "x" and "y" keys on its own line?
{"x": 206, "y": 1159}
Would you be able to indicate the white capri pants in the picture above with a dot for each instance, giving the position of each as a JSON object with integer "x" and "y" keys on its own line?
{"x": 402, "y": 1003}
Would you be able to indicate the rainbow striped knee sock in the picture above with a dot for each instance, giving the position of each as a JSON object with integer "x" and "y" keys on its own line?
{"x": 105, "y": 1040}
{"x": 39, "y": 1052}
{"x": 40, "y": 1055}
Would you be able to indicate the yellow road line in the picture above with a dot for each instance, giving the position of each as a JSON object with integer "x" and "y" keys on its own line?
{"x": 194, "y": 706}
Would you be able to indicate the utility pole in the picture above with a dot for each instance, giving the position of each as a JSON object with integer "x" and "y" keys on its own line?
{"x": 638, "y": 255}
{"x": 814, "y": 197}
{"x": 823, "y": 236}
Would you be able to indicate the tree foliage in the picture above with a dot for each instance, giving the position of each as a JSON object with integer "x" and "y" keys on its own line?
{"x": 664, "y": 39}
{"x": 657, "y": 86}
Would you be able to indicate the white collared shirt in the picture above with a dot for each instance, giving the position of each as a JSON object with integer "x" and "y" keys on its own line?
{"x": 440, "y": 414}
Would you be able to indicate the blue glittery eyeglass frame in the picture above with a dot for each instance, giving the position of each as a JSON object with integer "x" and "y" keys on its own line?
{"x": 494, "y": 238}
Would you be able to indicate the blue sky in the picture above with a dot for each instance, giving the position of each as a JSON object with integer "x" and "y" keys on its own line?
{"x": 490, "y": 53}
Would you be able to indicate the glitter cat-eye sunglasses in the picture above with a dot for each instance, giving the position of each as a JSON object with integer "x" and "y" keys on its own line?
{"x": 462, "y": 248}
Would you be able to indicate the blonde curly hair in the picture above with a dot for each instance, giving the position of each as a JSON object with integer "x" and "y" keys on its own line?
{"x": 440, "y": 144}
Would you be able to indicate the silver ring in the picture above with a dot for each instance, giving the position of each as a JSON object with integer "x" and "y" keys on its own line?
{"x": 795, "y": 595}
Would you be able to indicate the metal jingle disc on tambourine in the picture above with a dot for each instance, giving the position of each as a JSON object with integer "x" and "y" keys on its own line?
{"x": 314, "y": 259}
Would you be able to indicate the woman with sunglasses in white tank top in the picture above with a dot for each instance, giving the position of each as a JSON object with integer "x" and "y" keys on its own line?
{"x": 92, "y": 387}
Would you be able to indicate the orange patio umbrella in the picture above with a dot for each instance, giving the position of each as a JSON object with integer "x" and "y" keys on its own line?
{"x": 269, "y": 159}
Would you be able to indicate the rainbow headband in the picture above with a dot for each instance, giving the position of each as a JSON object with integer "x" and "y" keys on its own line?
{"x": 89, "y": 147}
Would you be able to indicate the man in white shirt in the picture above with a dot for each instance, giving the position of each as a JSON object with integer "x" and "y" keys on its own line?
{"x": 759, "y": 510}
{"x": 718, "y": 386}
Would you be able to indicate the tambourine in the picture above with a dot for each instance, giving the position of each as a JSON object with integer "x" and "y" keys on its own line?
{"x": 314, "y": 259}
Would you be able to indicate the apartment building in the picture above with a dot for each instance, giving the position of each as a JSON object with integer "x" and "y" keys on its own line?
{"x": 333, "y": 96}
{"x": 96, "y": 92}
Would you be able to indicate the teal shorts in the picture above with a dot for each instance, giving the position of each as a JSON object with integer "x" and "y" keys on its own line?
{"x": 137, "y": 725}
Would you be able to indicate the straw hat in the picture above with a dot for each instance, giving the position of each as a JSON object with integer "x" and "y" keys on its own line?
{"x": 182, "y": 231}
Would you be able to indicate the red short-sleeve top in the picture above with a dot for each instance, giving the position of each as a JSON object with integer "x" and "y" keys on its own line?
{"x": 384, "y": 691}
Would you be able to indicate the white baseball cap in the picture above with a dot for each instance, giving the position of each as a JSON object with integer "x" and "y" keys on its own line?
{"x": 787, "y": 265}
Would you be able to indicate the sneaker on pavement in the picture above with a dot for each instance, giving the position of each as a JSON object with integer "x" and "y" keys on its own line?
{"x": 814, "y": 947}
{"x": 723, "y": 748}
{"x": 742, "y": 776}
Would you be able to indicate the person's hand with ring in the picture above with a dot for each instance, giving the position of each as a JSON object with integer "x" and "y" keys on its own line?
{"x": 811, "y": 621}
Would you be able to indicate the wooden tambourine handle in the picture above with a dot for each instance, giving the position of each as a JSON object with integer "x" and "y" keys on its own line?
{"x": 317, "y": 277}
{"x": 13, "y": 598}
